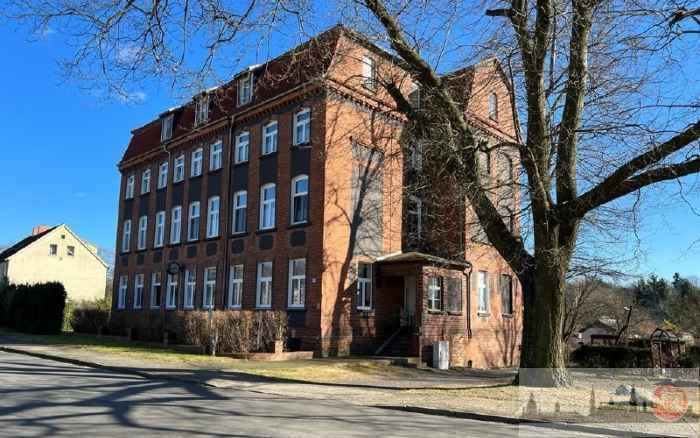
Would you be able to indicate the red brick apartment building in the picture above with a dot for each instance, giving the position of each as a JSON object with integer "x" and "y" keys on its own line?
{"x": 285, "y": 189}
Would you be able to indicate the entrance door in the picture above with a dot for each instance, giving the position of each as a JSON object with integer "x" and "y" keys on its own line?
{"x": 408, "y": 310}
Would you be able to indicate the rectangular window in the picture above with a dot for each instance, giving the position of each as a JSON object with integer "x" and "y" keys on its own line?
{"x": 213, "y": 217}
{"x": 235, "y": 287}
{"x": 415, "y": 157}
{"x": 369, "y": 73}
{"x": 171, "y": 294}
{"x": 297, "y": 283}
{"x": 126, "y": 236}
{"x": 242, "y": 147}
{"x": 163, "y": 175}
{"x": 300, "y": 199}
{"x": 493, "y": 107}
{"x": 263, "y": 296}
{"x": 414, "y": 98}
{"x": 166, "y": 128}
{"x": 267, "y": 206}
{"x": 143, "y": 229}
{"x": 215, "y": 155}
{"x": 159, "y": 235}
{"x": 193, "y": 223}
{"x": 240, "y": 209}
{"x": 179, "y": 173}
{"x": 146, "y": 181}
{"x": 155, "y": 290}
{"x": 70, "y": 251}
{"x": 138, "y": 291}
{"x": 415, "y": 217}
{"x": 269, "y": 138}
{"x": 364, "y": 286}
{"x": 453, "y": 287}
{"x": 129, "y": 189}
{"x": 483, "y": 292}
{"x": 190, "y": 286}
{"x": 209, "y": 288}
{"x": 196, "y": 165}
{"x": 506, "y": 294}
{"x": 434, "y": 293}
{"x": 53, "y": 250}
{"x": 175, "y": 225}
{"x": 302, "y": 127}
{"x": 245, "y": 89}
{"x": 123, "y": 289}
{"x": 201, "y": 110}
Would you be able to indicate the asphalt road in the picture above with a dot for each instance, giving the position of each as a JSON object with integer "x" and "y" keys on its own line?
{"x": 46, "y": 398}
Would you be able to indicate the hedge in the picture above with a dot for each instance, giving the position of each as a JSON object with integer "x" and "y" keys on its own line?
{"x": 33, "y": 309}
{"x": 611, "y": 356}
{"x": 691, "y": 358}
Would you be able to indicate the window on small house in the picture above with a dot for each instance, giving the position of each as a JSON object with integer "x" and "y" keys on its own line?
{"x": 213, "y": 217}
{"x": 53, "y": 250}
{"x": 215, "y": 155}
{"x": 493, "y": 106}
{"x": 263, "y": 296}
{"x": 201, "y": 110}
{"x": 196, "y": 165}
{"x": 179, "y": 173}
{"x": 126, "y": 236}
{"x": 267, "y": 206}
{"x": 171, "y": 293}
{"x": 506, "y": 294}
{"x": 156, "y": 290}
{"x": 190, "y": 285}
{"x": 159, "y": 235}
{"x": 123, "y": 289}
{"x": 364, "y": 286}
{"x": 209, "y": 288}
{"x": 414, "y": 219}
{"x": 166, "y": 128}
{"x": 235, "y": 288}
{"x": 369, "y": 73}
{"x": 240, "y": 203}
{"x": 146, "y": 181}
{"x": 138, "y": 291}
{"x": 483, "y": 292}
{"x": 193, "y": 222}
{"x": 70, "y": 251}
{"x": 242, "y": 147}
{"x": 297, "y": 283}
{"x": 434, "y": 293}
{"x": 129, "y": 189}
{"x": 269, "y": 138}
{"x": 163, "y": 175}
{"x": 302, "y": 127}
{"x": 300, "y": 199}
{"x": 143, "y": 229}
{"x": 245, "y": 89}
{"x": 175, "y": 224}
{"x": 453, "y": 288}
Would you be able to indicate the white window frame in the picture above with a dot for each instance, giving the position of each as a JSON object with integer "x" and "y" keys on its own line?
{"x": 123, "y": 290}
{"x": 130, "y": 187}
{"x": 179, "y": 169}
{"x": 369, "y": 73}
{"x": 305, "y": 124}
{"x": 415, "y": 158}
{"x": 176, "y": 225}
{"x": 156, "y": 276}
{"x": 216, "y": 153}
{"x": 53, "y": 249}
{"x": 126, "y": 236}
{"x": 171, "y": 292}
{"x": 301, "y": 194}
{"x": 268, "y": 207}
{"x": 70, "y": 251}
{"x": 240, "y": 209}
{"x": 434, "y": 288}
{"x": 263, "y": 283}
{"x": 242, "y": 148}
{"x": 138, "y": 291}
{"x": 415, "y": 208}
{"x": 201, "y": 110}
{"x": 193, "y": 221}
{"x": 213, "y": 207}
{"x": 235, "y": 287}
{"x": 166, "y": 128}
{"x": 159, "y": 234}
{"x": 163, "y": 175}
{"x": 196, "y": 164}
{"x": 365, "y": 286}
{"x": 146, "y": 181}
{"x": 483, "y": 293}
{"x": 493, "y": 106}
{"x": 296, "y": 288}
{"x": 143, "y": 233}
{"x": 245, "y": 88}
{"x": 190, "y": 288}
{"x": 270, "y": 138}
{"x": 209, "y": 288}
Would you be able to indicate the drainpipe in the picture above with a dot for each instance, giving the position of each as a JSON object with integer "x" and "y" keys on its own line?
{"x": 468, "y": 322}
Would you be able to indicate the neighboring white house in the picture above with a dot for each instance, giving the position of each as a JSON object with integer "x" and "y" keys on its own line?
{"x": 56, "y": 254}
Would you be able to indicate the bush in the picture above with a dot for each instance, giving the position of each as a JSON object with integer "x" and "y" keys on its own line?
{"x": 35, "y": 309}
{"x": 7, "y": 293}
{"x": 239, "y": 331}
{"x": 691, "y": 358}
{"x": 611, "y": 356}
{"x": 90, "y": 316}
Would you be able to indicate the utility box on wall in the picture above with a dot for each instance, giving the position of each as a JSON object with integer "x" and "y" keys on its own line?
{"x": 441, "y": 355}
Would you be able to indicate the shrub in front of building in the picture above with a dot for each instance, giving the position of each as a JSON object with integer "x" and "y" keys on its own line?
{"x": 90, "y": 316}
{"x": 34, "y": 308}
{"x": 611, "y": 356}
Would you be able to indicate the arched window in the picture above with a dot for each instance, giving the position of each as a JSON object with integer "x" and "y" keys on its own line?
{"x": 300, "y": 199}
{"x": 267, "y": 206}
{"x": 493, "y": 106}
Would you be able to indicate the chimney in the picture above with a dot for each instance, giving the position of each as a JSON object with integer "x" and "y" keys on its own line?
{"x": 40, "y": 229}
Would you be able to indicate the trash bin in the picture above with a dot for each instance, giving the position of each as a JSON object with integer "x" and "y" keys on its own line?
{"x": 441, "y": 355}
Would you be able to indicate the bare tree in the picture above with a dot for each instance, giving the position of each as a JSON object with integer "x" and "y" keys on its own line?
{"x": 604, "y": 113}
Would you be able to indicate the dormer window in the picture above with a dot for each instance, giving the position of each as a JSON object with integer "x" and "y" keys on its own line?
{"x": 201, "y": 110}
{"x": 245, "y": 89}
{"x": 166, "y": 128}
{"x": 369, "y": 73}
{"x": 493, "y": 106}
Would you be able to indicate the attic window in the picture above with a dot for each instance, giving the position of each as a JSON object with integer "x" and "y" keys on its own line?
{"x": 245, "y": 89}
{"x": 201, "y": 110}
{"x": 493, "y": 106}
{"x": 53, "y": 250}
{"x": 166, "y": 128}
{"x": 369, "y": 73}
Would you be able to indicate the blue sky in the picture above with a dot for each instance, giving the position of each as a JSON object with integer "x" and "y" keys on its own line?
{"x": 60, "y": 147}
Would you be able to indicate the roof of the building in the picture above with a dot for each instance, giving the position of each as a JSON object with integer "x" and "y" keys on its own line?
{"x": 420, "y": 257}
{"x": 19, "y": 246}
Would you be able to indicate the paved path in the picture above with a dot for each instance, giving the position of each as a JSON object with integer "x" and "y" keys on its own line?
{"x": 47, "y": 398}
